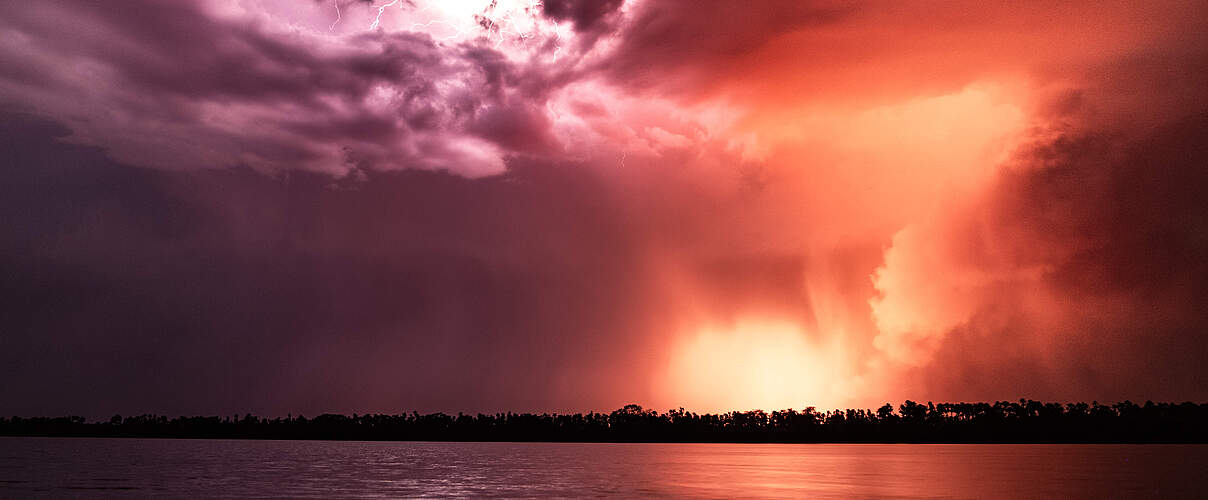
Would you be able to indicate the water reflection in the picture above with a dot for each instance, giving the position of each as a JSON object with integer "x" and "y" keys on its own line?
{"x": 106, "y": 468}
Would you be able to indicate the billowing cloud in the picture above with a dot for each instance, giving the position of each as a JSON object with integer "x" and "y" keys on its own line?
{"x": 1082, "y": 266}
{"x": 190, "y": 85}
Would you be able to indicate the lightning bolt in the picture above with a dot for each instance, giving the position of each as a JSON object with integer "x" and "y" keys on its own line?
{"x": 532, "y": 7}
{"x": 558, "y": 37}
{"x": 337, "y": 21}
{"x": 378, "y": 20}
{"x": 458, "y": 30}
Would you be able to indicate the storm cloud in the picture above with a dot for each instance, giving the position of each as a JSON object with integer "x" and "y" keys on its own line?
{"x": 266, "y": 206}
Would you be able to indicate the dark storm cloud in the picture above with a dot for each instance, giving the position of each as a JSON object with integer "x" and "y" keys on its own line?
{"x": 684, "y": 45}
{"x": 587, "y": 15}
{"x": 193, "y": 88}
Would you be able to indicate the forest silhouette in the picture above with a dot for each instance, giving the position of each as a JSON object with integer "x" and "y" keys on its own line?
{"x": 1025, "y": 421}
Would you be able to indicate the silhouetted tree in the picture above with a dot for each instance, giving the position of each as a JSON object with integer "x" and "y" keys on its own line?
{"x": 1001, "y": 421}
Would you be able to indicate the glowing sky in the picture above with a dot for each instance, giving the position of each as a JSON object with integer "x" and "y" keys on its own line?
{"x": 342, "y": 205}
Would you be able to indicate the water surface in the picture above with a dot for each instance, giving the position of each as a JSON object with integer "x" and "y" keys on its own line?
{"x": 137, "y": 468}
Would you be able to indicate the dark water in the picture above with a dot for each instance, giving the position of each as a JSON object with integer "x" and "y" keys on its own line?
{"x": 115, "y": 468}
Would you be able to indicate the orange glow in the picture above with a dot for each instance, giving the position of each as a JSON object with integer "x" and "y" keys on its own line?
{"x": 855, "y": 161}
{"x": 752, "y": 365}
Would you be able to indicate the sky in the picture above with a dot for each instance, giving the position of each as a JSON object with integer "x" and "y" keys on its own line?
{"x": 304, "y": 206}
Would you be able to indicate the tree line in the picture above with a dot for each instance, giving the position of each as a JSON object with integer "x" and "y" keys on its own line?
{"x": 1025, "y": 421}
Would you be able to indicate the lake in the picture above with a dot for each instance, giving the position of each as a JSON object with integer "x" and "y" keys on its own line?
{"x": 135, "y": 468}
